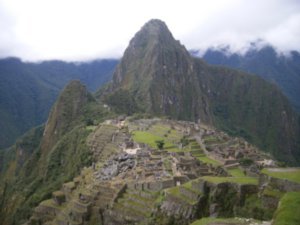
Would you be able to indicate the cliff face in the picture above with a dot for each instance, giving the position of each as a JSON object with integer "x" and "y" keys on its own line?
{"x": 159, "y": 77}
{"x": 65, "y": 111}
{"x": 159, "y": 73}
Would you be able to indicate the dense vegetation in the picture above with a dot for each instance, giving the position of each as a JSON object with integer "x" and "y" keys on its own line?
{"x": 288, "y": 210}
{"x": 48, "y": 156}
{"x": 28, "y": 90}
{"x": 282, "y": 70}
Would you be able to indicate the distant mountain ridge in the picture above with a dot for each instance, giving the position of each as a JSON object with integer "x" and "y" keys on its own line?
{"x": 282, "y": 70}
{"x": 28, "y": 90}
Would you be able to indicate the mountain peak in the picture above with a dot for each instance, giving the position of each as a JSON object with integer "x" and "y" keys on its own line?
{"x": 155, "y": 26}
{"x": 153, "y": 32}
{"x": 65, "y": 111}
{"x": 149, "y": 52}
{"x": 155, "y": 23}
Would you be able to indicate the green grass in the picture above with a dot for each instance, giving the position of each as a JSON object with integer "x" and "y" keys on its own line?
{"x": 174, "y": 191}
{"x": 51, "y": 204}
{"x": 206, "y": 159}
{"x": 150, "y": 139}
{"x": 238, "y": 180}
{"x": 159, "y": 129}
{"x": 289, "y": 210}
{"x": 167, "y": 164}
{"x": 158, "y": 132}
{"x": 207, "y": 221}
{"x": 284, "y": 174}
{"x": 188, "y": 186}
{"x": 209, "y": 140}
{"x": 268, "y": 191}
{"x": 91, "y": 127}
{"x": 163, "y": 130}
{"x": 236, "y": 172}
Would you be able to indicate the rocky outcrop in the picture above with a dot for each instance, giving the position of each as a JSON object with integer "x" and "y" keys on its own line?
{"x": 204, "y": 198}
{"x": 283, "y": 185}
{"x": 115, "y": 165}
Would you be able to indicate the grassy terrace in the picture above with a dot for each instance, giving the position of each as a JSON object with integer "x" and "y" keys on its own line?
{"x": 150, "y": 139}
{"x": 236, "y": 172}
{"x": 91, "y": 127}
{"x": 238, "y": 180}
{"x": 165, "y": 130}
{"x": 175, "y": 191}
{"x": 208, "y": 160}
{"x": 289, "y": 210}
{"x": 158, "y": 132}
{"x": 188, "y": 186}
{"x": 170, "y": 136}
{"x": 212, "y": 140}
{"x": 291, "y": 174}
{"x": 238, "y": 221}
{"x": 268, "y": 191}
{"x": 51, "y": 204}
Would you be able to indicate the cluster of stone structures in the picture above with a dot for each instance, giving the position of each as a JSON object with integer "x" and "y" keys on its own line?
{"x": 130, "y": 182}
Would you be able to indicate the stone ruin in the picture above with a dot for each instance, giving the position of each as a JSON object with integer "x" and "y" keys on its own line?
{"x": 124, "y": 190}
{"x": 117, "y": 165}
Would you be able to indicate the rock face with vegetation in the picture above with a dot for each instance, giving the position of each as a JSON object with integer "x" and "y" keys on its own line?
{"x": 65, "y": 112}
{"x": 283, "y": 70}
{"x": 158, "y": 76}
{"x": 28, "y": 90}
{"x": 48, "y": 156}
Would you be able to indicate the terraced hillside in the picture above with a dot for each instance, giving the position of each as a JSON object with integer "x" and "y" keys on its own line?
{"x": 134, "y": 181}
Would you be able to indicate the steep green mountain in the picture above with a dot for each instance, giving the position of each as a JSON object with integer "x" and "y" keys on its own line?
{"x": 158, "y": 76}
{"x": 282, "y": 70}
{"x": 47, "y": 156}
{"x": 28, "y": 90}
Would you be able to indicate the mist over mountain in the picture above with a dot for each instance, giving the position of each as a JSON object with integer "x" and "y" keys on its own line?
{"x": 28, "y": 90}
{"x": 277, "y": 68}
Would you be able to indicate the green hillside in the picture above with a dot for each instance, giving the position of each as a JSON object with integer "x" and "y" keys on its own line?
{"x": 28, "y": 90}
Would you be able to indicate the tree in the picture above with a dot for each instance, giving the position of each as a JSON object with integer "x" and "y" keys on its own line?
{"x": 89, "y": 122}
{"x": 184, "y": 141}
{"x": 160, "y": 144}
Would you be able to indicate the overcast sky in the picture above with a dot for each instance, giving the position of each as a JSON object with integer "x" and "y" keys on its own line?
{"x": 89, "y": 29}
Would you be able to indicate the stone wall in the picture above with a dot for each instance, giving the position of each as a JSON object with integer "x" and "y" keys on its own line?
{"x": 280, "y": 184}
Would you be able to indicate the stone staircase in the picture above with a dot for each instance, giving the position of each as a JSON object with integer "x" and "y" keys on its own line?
{"x": 103, "y": 141}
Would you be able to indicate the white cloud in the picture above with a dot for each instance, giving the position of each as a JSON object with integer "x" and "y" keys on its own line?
{"x": 85, "y": 29}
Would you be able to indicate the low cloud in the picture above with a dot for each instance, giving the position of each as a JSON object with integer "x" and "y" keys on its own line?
{"x": 80, "y": 30}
